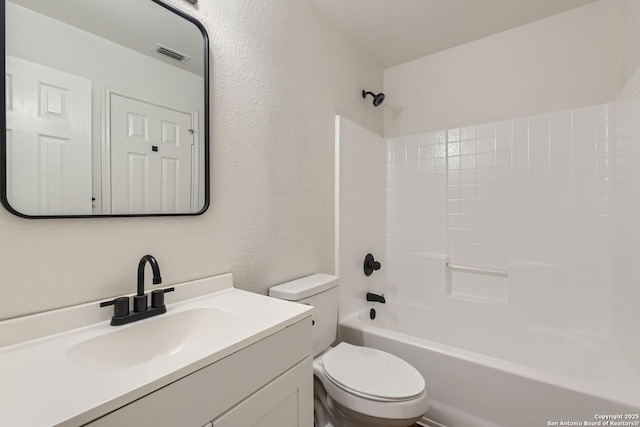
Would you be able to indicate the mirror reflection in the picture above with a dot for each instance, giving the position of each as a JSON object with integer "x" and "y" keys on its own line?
{"x": 105, "y": 109}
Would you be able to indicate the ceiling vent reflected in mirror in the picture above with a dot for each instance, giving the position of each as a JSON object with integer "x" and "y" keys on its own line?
{"x": 171, "y": 53}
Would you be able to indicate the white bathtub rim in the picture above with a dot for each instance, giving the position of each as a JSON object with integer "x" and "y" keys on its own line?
{"x": 604, "y": 390}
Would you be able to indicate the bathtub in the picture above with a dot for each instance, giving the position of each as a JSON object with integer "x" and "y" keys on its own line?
{"x": 493, "y": 373}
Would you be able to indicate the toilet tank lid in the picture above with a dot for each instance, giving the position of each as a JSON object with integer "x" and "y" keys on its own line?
{"x": 304, "y": 287}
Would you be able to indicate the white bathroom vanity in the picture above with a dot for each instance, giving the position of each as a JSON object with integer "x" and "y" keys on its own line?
{"x": 218, "y": 357}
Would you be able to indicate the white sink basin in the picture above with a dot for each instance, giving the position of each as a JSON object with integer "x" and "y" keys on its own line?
{"x": 157, "y": 337}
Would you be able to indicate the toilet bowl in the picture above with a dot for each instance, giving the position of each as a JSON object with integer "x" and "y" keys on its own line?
{"x": 354, "y": 386}
{"x": 368, "y": 385}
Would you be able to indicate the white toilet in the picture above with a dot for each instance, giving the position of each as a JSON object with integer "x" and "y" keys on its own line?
{"x": 353, "y": 386}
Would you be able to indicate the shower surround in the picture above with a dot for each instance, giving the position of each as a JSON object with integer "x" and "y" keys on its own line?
{"x": 512, "y": 246}
{"x": 525, "y": 201}
{"x": 517, "y": 236}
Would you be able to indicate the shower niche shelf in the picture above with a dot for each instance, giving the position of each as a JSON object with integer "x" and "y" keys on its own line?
{"x": 471, "y": 282}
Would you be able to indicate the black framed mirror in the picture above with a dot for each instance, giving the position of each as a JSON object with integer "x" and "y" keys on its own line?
{"x": 107, "y": 109}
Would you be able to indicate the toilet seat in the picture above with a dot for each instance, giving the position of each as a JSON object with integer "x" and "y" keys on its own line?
{"x": 371, "y": 373}
{"x": 353, "y": 379}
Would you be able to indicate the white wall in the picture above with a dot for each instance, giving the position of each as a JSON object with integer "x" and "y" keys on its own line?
{"x": 565, "y": 61}
{"x": 630, "y": 40}
{"x": 626, "y": 197}
{"x": 38, "y": 38}
{"x": 280, "y": 73}
{"x": 360, "y": 218}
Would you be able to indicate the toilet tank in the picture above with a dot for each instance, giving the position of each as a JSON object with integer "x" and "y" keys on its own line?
{"x": 321, "y": 292}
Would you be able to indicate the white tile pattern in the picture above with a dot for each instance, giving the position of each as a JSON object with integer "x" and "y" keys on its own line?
{"x": 530, "y": 195}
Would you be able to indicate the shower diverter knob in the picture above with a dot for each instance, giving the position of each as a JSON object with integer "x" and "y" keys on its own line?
{"x": 370, "y": 265}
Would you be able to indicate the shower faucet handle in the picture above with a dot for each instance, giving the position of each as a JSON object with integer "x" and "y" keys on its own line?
{"x": 370, "y": 265}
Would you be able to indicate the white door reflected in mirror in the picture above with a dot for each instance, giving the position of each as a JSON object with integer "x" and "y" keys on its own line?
{"x": 48, "y": 139}
{"x": 152, "y": 151}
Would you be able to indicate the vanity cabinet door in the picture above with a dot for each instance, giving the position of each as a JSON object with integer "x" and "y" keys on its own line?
{"x": 285, "y": 402}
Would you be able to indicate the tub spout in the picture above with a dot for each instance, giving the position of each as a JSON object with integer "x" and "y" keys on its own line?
{"x": 375, "y": 298}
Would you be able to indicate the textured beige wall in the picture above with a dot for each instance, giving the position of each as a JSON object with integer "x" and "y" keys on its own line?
{"x": 280, "y": 74}
{"x": 565, "y": 61}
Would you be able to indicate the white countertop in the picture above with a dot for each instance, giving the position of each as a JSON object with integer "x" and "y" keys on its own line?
{"x": 41, "y": 385}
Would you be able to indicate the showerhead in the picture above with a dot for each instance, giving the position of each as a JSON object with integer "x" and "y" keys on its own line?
{"x": 377, "y": 99}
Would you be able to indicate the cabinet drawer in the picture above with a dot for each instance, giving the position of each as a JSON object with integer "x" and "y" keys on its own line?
{"x": 196, "y": 399}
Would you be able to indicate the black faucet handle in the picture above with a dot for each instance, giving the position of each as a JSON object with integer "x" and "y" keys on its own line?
{"x": 121, "y": 306}
{"x": 157, "y": 297}
{"x": 370, "y": 264}
{"x": 140, "y": 303}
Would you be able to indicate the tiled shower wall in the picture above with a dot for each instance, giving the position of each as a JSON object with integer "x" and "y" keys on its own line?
{"x": 528, "y": 197}
{"x": 360, "y": 199}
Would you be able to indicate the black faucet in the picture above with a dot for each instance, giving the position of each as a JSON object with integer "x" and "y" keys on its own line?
{"x": 140, "y": 300}
{"x": 141, "y": 310}
{"x": 375, "y": 298}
